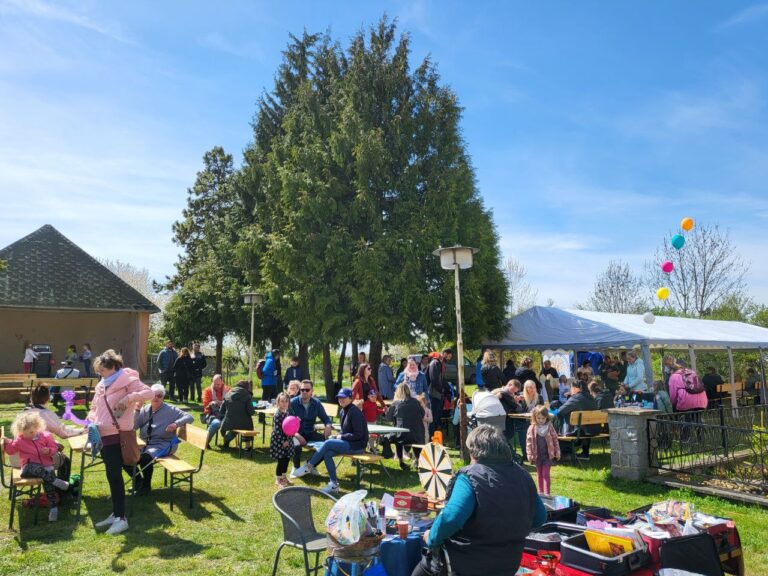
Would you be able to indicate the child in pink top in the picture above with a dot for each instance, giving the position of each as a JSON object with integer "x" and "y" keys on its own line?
{"x": 36, "y": 448}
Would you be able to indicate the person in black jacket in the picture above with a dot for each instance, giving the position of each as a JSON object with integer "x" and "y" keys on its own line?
{"x": 405, "y": 412}
{"x": 436, "y": 388}
{"x": 525, "y": 373}
{"x": 237, "y": 411}
{"x": 352, "y": 440}
{"x": 293, "y": 372}
{"x": 183, "y": 372}
{"x": 603, "y": 397}
{"x": 198, "y": 365}
{"x": 509, "y": 370}
{"x": 579, "y": 400}
{"x": 492, "y": 375}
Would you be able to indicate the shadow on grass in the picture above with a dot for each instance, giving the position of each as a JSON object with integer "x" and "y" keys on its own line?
{"x": 166, "y": 546}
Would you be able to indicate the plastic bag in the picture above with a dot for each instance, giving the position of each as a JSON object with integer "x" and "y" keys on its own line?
{"x": 346, "y": 520}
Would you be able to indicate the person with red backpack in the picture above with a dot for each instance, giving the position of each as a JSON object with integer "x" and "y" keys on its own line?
{"x": 687, "y": 394}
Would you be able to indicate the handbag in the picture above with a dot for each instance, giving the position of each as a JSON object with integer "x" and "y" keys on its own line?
{"x": 129, "y": 446}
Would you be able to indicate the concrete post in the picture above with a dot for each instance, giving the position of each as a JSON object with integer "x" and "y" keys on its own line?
{"x": 629, "y": 442}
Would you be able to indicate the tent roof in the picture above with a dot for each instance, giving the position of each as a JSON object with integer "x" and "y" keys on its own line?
{"x": 544, "y": 327}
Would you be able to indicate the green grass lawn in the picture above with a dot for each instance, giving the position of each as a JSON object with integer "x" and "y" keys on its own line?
{"x": 233, "y": 528}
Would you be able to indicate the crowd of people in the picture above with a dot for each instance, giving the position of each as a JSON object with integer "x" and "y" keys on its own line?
{"x": 419, "y": 393}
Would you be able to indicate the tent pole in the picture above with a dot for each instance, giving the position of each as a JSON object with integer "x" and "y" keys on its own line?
{"x": 646, "y": 350}
{"x": 762, "y": 373}
{"x": 733, "y": 377}
{"x": 692, "y": 357}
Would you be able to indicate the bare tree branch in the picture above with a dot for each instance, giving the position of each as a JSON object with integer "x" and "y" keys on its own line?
{"x": 707, "y": 271}
{"x": 618, "y": 290}
{"x": 521, "y": 295}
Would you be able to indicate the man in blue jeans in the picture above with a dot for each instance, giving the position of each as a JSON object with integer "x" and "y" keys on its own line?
{"x": 352, "y": 440}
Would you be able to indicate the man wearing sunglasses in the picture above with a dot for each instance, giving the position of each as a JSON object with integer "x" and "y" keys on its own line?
{"x": 308, "y": 409}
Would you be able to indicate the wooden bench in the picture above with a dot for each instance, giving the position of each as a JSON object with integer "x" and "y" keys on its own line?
{"x": 182, "y": 472}
{"x": 15, "y": 380}
{"x": 81, "y": 386}
{"x": 245, "y": 437}
{"x": 582, "y": 418}
{"x": 363, "y": 461}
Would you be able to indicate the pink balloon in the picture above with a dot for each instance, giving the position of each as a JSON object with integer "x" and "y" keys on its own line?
{"x": 667, "y": 266}
{"x": 291, "y": 425}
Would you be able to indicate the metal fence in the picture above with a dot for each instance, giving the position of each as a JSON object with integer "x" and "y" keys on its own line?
{"x": 724, "y": 447}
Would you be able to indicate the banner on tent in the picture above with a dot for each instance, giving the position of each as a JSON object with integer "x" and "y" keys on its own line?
{"x": 561, "y": 360}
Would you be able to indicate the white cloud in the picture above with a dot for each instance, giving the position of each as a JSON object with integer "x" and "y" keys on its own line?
{"x": 745, "y": 16}
{"x": 58, "y": 13}
{"x": 216, "y": 41}
{"x": 732, "y": 106}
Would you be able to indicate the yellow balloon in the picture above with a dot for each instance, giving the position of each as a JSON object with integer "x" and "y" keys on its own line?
{"x": 687, "y": 224}
{"x": 662, "y": 293}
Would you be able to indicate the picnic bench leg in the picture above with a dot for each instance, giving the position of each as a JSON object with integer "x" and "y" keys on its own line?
{"x": 191, "y": 480}
{"x": 171, "y": 496}
{"x": 13, "y": 505}
{"x": 358, "y": 474}
{"x": 82, "y": 481}
{"x": 35, "y": 501}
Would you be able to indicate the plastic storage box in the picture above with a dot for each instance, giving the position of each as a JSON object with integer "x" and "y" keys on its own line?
{"x": 574, "y": 553}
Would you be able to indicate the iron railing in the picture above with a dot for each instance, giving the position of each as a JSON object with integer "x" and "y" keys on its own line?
{"x": 723, "y": 447}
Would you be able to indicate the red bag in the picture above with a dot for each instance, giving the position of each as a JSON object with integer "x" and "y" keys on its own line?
{"x": 405, "y": 500}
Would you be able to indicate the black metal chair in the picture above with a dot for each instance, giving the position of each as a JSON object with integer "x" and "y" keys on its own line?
{"x": 697, "y": 554}
{"x": 295, "y": 507}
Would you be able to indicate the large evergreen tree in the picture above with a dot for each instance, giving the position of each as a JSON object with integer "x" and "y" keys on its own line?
{"x": 206, "y": 299}
{"x": 356, "y": 174}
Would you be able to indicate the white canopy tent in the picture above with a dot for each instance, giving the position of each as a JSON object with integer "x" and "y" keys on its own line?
{"x": 543, "y": 327}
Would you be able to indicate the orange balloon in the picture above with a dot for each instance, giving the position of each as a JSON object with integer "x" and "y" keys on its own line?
{"x": 687, "y": 224}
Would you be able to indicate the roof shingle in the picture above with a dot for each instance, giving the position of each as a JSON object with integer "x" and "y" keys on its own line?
{"x": 47, "y": 270}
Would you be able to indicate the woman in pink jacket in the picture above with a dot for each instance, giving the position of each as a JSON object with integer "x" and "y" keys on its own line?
{"x": 690, "y": 404}
{"x": 116, "y": 395}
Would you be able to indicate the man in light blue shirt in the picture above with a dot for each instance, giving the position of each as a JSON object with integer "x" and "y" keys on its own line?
{"x": 635, "y": 377}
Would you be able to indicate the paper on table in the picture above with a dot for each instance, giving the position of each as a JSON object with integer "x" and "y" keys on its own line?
{"x": 388, "y": 501}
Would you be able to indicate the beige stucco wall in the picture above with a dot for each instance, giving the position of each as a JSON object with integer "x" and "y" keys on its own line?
{"x": 125, "y": 332}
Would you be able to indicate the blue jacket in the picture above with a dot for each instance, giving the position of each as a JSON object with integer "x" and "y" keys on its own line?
{"x": 166, "y": 359}
{"x": 270, "y": 371}
{"x": 419, "y": 386}
{"x": 309, "y": 415}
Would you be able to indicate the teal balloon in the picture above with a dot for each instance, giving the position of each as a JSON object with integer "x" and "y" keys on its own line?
{"x": 678, "y": 241}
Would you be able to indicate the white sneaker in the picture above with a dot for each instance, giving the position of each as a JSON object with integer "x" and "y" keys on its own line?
{"x": 292, "y": 475}
{"x": 62, "y": 485}
{"x": 53, "y": 514}
{"x": 106, "y": 522}
{"x": 119, "y": 525}
{"x": 313, "y": 471}
{"x": 303, "y": 470}
{"x": 331, "y": 488}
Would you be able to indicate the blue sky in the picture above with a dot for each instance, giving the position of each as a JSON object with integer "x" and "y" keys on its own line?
{"x": 594, "y": 127}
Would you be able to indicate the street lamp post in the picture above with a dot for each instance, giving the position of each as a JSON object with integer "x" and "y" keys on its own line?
{"x": 254, "y": 300}
{"x": 456, "y": 258}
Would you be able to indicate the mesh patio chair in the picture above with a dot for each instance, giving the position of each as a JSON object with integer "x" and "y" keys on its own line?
{"x": 697, "y": 553}
{"x": 295, "y": 507}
